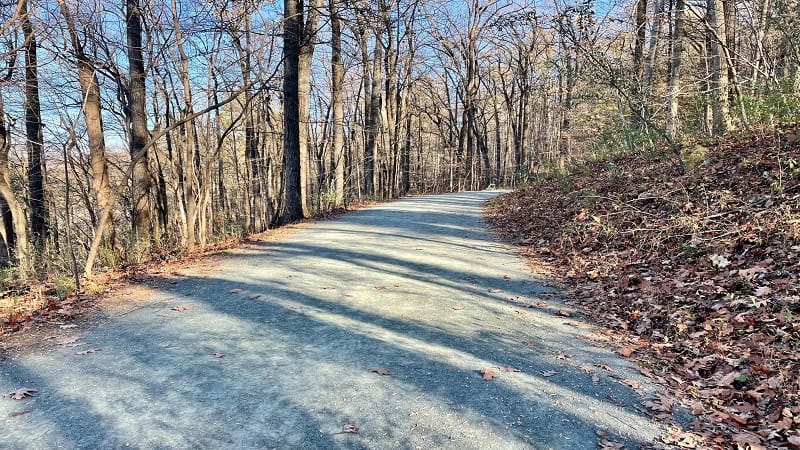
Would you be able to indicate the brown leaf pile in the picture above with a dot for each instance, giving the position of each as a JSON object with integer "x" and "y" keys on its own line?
{"x": 696, "y": 266}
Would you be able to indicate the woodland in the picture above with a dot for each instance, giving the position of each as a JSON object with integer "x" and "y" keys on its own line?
{"x": 632, "y": 133}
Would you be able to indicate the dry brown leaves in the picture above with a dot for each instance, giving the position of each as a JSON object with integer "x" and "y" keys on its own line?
{"x": 20, "y": 393}
{"x": 696, "y": 270}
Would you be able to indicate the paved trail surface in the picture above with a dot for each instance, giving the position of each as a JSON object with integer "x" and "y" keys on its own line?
{"x": 417, "y": 287}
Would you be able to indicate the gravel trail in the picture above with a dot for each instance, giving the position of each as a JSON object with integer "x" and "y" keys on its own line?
{"x": 282, "y": 345}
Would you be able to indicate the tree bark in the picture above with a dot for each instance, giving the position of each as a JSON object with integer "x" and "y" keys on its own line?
{"x": 676, "y": 55}
{"x": 308, "y": 31}
{"x": 92, "y": 112}
{"x": 292, "y": 40}
{"x": 33, "y": 133}
{"x": 337, "y": 104}
{"x": 19, "y": 221}
{"x": 137, "y": 122}
{"x": 721, "y": 121}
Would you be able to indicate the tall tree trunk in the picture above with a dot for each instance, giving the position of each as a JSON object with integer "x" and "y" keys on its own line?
{"x": 719, "y": 67}
{"x": 292, "y": 41}
{"x": 19, "y": 221}
{"x": 308, "y": 29}
{"x": 371, "y": 161}
{"x": 33, "y": 133}
{"x": 90, "y": 89}
{"x": 191, "y": 157}
{"x": 337, "y": 103}
{"x": 640, "y": 21}
{"x": 676, "y": 55}
{"x": 137, "y": 118}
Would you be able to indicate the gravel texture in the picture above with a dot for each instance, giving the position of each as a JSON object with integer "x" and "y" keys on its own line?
{"x": 276, "y": 346}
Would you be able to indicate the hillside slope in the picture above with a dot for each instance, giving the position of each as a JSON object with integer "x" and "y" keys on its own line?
{"x": 693, "y": 263}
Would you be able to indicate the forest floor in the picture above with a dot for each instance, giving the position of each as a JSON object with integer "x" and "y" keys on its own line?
{"x": 403, "y": 325}
{"x": 692, "y": 264}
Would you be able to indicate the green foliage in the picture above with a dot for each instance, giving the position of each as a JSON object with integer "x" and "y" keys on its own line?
{"x": 326, "y": 200}
{"x": 770, "y": 105}
{"x": 626, "y": 138}
{"x": 64, "y": 286}
{"x": 9, "y": 277}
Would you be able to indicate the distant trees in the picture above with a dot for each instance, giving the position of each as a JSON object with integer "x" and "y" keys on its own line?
{"x": 189, "y": 122}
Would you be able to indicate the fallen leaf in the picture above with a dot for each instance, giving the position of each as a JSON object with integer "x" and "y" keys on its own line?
{"x": 626, "y": 351}
{"x": 381, "y": 372}
{"x": 68, "y": 340}
{"x": 20, "y": 393}
{"x": 457, "y": 307}
{"x": 762, "y": 291}
{"x": 182, "y": 308}
{"x": 508, "y": 369}
{"x": 719, "y": 261}
{"x": 235, "y": 291}
{"x": 91, "y": 350}
{"x": 608, "y": 444}
{"x": 75, "y": 344}
{"x": 536, "y": 305}
{"x": 19, "y": 413}
{"x": 488, "y": 374}
{"x": 548, "y": 373}
{"x": 217, "y": 355}
{"x": 633, "y": 384}
{"x": 349, "y": 428}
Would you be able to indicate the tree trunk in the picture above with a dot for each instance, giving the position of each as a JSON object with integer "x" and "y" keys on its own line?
{"x": 337, "y": 104}
{"x": 676, "y": 56}
{"x": 33, "y": 133}
{"x": 292, "y": 41}
{"x": 19, "y": 221}
{"x": 640, "y": 21}
{"x": 721, "y": 121}
{"x": 90, "y": 89}
{"x": 308, "y": 31}
{"x": 373, "y": 125}
{"x": 137, "y": 118}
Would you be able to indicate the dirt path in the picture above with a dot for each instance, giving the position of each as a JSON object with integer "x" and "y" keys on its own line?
{"x": 275, "y": 346}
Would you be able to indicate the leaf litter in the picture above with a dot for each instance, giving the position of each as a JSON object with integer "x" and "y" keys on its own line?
{"x": 695, "y": 266}
{"x": 349, "y": 428}
{"x": 488, "y": 374}
{"x": 21, "y": 393}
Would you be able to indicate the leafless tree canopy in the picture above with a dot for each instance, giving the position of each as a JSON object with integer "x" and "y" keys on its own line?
{"x": 137, "y": 129}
